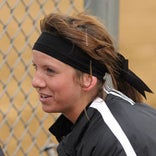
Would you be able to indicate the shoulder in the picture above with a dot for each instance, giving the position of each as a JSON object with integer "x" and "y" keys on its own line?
{"x": 133, "y": 124}
{"x": 120, "y": 105}
{"x": 129, "y": 112}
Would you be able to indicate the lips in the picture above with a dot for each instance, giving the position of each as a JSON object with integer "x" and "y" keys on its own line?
{"x": 44, "y": 97}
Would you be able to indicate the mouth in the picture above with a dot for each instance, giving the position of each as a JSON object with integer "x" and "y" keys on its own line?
{"x": 44, "y": 97}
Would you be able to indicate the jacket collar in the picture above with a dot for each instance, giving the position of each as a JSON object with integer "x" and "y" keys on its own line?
{"x": 61, "y": 127}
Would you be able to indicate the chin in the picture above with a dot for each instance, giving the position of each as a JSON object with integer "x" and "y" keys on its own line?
{"x": 47, "y": 110}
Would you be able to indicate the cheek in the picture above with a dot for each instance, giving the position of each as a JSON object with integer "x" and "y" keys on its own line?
{"x": 66, "y": 88}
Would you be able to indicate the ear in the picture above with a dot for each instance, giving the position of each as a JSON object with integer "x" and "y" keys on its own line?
{"x": 88, "y": 82}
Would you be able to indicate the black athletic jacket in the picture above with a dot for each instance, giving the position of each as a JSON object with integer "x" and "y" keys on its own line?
{"x": 116, "y": 127}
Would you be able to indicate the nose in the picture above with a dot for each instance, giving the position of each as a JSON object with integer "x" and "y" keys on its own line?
{"x": 38, "y": 81}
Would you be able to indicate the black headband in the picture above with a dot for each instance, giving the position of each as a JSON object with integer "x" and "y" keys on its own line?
{"x": 127, "y": 75}
{"x": 69, "y": 53}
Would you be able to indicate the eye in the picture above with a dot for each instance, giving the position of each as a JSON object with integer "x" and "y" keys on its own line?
{"x": 50, "y": 71}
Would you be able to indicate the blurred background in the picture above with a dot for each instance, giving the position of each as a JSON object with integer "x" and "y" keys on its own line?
{"x": 23, "y": 125}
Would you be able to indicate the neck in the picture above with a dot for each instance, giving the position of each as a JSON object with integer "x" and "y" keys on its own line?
{"x": 73, "y": 114}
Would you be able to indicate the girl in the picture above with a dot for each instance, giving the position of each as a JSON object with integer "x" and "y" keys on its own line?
{"x": 80, "y": 74}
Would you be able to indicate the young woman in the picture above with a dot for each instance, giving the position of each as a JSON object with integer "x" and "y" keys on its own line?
{"x": 80, "y": 74}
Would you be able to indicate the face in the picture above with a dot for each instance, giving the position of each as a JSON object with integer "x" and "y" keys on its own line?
{"x": 56, "y": 84}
